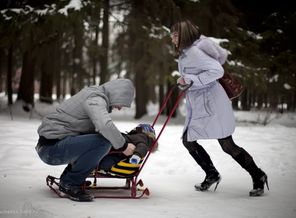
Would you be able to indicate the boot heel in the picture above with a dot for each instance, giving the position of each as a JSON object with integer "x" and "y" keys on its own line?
{"x": 266, "y": 182}
{"x": 217, "y": 184}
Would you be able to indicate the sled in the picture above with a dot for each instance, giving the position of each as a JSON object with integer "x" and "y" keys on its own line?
{"x": 133, "y": 187}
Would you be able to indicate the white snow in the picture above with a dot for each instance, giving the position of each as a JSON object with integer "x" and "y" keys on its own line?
{"x": 279, "y": 31}
{"x": 287, "y": 86}
{"x": 236, "y": 63}
{"x": 73, "y": 4}
{"x": 218, "y": 41}
{"x": 254, "y": 35}
{"x": 175, "y": 73}
{"x": 170, "y": 174}
{"x": 275, "y": 78}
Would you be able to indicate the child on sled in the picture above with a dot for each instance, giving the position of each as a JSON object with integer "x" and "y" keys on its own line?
{"x": 142, "y": 137}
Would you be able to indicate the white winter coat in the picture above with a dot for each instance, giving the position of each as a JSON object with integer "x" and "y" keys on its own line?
{"x": 209, "y": 110}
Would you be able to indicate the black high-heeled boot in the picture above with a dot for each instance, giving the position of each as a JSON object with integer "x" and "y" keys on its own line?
{"x": 210, "y": 179}
{"x": 212, "y": 175}
{"x": 259, "y": 181}
{"x": 258, "y": 176}
{"x": 203, "y": 159}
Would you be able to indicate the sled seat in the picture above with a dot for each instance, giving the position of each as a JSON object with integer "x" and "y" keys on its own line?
{"x": 121, "y": 170}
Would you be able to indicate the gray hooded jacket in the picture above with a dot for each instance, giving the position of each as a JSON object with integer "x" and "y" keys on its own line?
{"x": 87, "y": 112}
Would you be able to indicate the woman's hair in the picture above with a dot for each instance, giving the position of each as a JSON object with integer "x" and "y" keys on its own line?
{"x": 188, "y": 33}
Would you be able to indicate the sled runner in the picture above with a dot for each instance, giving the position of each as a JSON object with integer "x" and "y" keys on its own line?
{"x": 133, "y": 188}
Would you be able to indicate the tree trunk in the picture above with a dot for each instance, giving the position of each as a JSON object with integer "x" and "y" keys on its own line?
{"x": 105, "y": 43}
{"x": 235, "y": 104}
{"x": 58, "y": 71}
{"x": 161, "y": 96}
{"x": 135, "y": 51}
{"x": 245, "y": 101}
{"x": 9, "y": 75}
{"x": 259, "y": 101}
{"x": 47, "y": 73}
{"x": 141, "y": 96}
{"x": 1, "y": 69}
{"x": 161, "y": 91}
{"x": 293, "y": 103}
{"x": 64, "y": 90}
{"x": 77, "y": 70}
{"x": 26, "y": 88}
{"x": 141, "y": 87}
{"x": 273, "y": 101}
{"x": 94, "y": 75}
{"x": 252, "y": 99}
{"x": 171, "y": 100}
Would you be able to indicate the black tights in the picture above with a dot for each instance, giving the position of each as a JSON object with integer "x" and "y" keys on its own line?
{"x": 237, "y": 153}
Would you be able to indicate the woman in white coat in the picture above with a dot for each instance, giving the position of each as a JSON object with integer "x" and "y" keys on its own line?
{"x": 209, "y": 110}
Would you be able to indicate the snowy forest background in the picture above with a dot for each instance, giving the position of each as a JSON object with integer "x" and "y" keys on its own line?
{"x": 52, "y": 49}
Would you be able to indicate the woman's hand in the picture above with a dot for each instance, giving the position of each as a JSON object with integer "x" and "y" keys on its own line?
{"x": 181, "y": 81}
{"x": 129, "y": 150}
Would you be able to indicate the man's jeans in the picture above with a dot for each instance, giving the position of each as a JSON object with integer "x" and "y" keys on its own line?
{"x": 83, "y": 152}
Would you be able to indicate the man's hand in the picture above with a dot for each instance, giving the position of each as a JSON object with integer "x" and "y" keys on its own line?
{"x": 129, "y": 150}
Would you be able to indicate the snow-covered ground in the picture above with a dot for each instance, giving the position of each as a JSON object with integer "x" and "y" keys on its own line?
{"x": 170, "y": 174}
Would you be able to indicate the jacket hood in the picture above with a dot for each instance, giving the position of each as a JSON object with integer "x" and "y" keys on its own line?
{"x": 120, "y": 92}
{"x": 210, "y": 47}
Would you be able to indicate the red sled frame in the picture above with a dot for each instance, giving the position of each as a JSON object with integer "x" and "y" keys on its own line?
{"x": 132, "y": 183}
